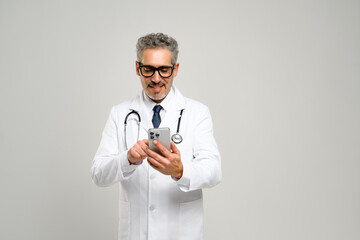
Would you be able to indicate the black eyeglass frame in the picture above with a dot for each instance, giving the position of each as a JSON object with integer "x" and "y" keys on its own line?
{"x": 156, "y": 69}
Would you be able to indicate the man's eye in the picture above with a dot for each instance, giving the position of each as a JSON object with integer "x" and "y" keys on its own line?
{"x": 164, "y": 70}
{"x": 148, "y": 69}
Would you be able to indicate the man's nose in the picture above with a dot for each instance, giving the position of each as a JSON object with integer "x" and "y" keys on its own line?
{"x": 156, "y": 77}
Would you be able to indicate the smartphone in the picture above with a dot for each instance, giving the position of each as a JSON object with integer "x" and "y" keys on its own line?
{"x": 160, "y": 134}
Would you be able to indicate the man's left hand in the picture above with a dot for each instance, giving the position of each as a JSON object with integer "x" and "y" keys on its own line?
{"x": 169, "y": 163}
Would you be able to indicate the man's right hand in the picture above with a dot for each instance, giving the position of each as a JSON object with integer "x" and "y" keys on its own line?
{"x": 138, "y": 152}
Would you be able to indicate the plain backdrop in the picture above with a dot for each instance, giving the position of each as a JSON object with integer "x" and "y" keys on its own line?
{"x": 281, "y": 78}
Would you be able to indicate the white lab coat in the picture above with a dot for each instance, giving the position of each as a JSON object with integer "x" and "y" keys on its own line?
{"x": 153, "y": 205}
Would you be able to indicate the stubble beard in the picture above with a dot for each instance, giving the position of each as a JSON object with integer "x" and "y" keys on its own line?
{"x": 156, "y": 98}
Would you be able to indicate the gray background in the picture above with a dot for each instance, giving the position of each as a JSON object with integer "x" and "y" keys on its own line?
{"x": 281, "y": 78}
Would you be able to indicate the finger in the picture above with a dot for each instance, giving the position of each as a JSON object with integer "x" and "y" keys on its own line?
{"x": 153, "y": 154}
{"x": 143, "y": 144}
{"x": 139, "y": 152}
{"x": 151, "y": 165}
{"x": 139, "y": 155}
{"x": 133, "y": 156}
{"x": 154, "y": 163}
{"x": 158, "y": 158}
{"x": 174, "y": 148}
{"x": 166, "y": 153}
{"x": 142, "y": 153}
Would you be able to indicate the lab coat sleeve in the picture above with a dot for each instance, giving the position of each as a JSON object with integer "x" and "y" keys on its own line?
{"x": 110, "y": 164}
{"x": 204, "y": 170}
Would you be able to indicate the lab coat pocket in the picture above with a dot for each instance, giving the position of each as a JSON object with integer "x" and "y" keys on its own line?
{"x": 191, "y": 220}
{"x": 124, "y": 220}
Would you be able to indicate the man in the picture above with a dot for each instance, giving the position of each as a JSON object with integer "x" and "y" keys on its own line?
{"x": 160, "y": 195}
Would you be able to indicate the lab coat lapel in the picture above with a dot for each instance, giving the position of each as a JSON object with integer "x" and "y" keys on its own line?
{"x": 173, "y": 114}
{"x": 171, "y": 117}
{"x": 139, "y": 106}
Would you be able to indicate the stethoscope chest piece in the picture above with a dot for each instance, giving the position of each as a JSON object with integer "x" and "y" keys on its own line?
{"x": 176, "y": 138}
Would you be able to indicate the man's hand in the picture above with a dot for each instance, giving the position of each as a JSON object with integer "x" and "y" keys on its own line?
{"x": 138, "y": 152}
{"x": 168, "y": 164}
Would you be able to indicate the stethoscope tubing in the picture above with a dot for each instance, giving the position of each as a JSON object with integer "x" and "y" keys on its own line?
{"x": 176, "y": 138}
{"x": 125, "y": 123}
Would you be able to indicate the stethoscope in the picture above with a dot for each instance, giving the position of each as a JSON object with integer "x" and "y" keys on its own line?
{"x": 176, "y": 138}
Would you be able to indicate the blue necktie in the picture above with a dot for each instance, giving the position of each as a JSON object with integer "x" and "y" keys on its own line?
{"x": 156, "y": 120}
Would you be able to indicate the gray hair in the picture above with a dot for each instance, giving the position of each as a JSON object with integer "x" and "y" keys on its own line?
{"x": 157, "y": 40}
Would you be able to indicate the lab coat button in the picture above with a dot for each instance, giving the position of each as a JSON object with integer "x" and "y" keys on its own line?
{"x": 152, "y": 176}
{"x": 152, "y": 208}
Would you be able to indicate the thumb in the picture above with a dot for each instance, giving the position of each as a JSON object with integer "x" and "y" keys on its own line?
{"x": 174, "y": 148}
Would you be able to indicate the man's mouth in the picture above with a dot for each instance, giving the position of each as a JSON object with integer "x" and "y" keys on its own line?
{"x": 156, "y": 86}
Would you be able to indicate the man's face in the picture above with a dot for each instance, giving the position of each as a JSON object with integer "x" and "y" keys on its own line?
{"x": 156, "y": 87}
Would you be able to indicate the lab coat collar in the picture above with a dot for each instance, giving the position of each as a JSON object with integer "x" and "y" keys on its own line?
{"x": 178, "y": 101}
{"x": 174, "y": 106}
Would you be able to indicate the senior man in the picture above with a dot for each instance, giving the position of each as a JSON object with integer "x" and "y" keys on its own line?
{"x": 160, "y": 194}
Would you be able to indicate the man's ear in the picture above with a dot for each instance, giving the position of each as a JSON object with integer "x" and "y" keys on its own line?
{"x": 137, "y": 68}
{"x": 176, "y": 69}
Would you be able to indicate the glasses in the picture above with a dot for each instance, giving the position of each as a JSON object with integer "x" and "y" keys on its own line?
{"x": 149, "y": 71}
